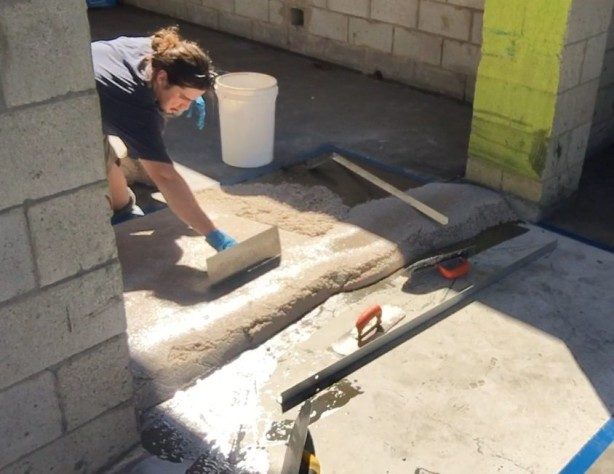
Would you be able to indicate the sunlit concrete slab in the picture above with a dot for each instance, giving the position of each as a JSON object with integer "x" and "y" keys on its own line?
{"x": 517, "y": 381}
{"x": 180, "y": 327}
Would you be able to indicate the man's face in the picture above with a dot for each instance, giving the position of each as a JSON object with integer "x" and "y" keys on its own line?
{"x": 173, "y": 100}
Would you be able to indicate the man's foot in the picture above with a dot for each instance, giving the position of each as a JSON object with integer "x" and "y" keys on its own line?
{"x": 129, "y": 211}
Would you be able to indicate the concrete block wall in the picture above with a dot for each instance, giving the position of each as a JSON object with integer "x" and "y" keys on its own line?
{"x": 430, "y": 44}
{"x": 536, "y": 93}
{"x": 602, "y": 131}
{"x": 65, "y": 385}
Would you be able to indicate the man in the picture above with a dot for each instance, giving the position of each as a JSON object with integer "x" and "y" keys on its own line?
{"x": 141, "y": 82}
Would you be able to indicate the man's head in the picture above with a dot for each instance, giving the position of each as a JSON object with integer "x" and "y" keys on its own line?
{"x": 181, "y": 71}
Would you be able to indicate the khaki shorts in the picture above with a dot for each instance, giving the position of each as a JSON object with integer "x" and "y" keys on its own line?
{"x": 115, "y": 150}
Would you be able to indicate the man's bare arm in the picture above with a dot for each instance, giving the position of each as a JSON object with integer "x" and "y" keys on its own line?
{"x": 178, "y": 195}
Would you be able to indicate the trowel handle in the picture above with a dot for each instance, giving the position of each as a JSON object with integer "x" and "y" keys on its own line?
{"x": 366, "y": 316}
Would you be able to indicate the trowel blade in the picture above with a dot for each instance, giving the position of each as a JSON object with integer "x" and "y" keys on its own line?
{"x": 391, "y": 316}
{"x": 243, "y": 256}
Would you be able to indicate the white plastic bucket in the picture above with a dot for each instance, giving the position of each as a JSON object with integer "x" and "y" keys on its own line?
{"x": 247, "y": 118}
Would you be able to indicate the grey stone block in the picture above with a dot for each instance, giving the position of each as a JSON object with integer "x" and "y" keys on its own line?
{"x": 87, "y": 449}
{"x": 45, "y": 50}
{"x": 202, "y": 15}
{"x": 418, "y": 46}
{"x": 575, "y": 107}
{"x": 328, "y": 24}
{"x": 439, "y": 80}
{"x": 30, "y": 417}
{"x": 50, "y": 148}
{"x": 17, "y": 275}
{"x": 477, "y": 28}
{"x": 235, "y": 24}
{"x": 460, "y": 57}
{"x": 371, "y": 34}
{"x": 594, "y": 57}
{"x": 323, "y": 48}
{"x": 72, "y": 233}
{"x": 571, "y": 65}
{"x": 397, "y": 12}
{"x": 277, "y": 12}
{"x": 277, "y": 35}
{"x": 59, "y": 322}
{"x": 95, "y": 381}
{"x": 351, "y": 7}
{"x": 220, "y": 5}
{"x": 256, "y": 9}
{"x": 445, "y": 20}
{"x": 588, "y": 18}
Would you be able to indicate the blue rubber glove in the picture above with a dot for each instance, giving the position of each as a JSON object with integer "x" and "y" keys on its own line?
{"x": 200, "y": 112}
{"x": 219, "y": 240}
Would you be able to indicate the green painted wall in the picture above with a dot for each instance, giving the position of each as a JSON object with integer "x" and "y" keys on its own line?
{"x": 517, "y": 85}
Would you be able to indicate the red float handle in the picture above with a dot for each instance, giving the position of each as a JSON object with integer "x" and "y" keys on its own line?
{"x": 366, "y": 316}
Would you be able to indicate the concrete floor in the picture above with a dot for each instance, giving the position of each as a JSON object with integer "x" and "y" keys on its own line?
{"x": 517, "y": 381}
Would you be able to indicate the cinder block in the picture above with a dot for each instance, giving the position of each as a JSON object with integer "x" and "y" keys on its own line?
{"x": 556, "y": 156}
{"x": 477, "y": 4}
{"x": 607, "y": 74}
{"x": 88, "y": 448}
{"x": 483, "y": 172}
{"x": 446, "y": 20}
{"x": 439, "y": 80}
{"x": 398, "y": 12}
{"x": 172, "y": 8}
{"x": 50, "y": 148}
{"x": 328, "y": 25}
{"x": 220, "y": 5}
{"x": 237, "y": 25}
{"x": 560, "y": 187}
{"x": 521, "y": 186}
{"x": 387, "y": 64}
{"x": 59, "y": 322}
{"x": 48, "y": 44}
{"x": 276, "y": 12}
{"x": 588, "y": 18}
{"x": 593, "y": 59}
{"x": 277, "y": 35}
{"x": 30, "y": 417}
{"x": 477, "y": 28}
{"x": 371, "y": 34}
{"x": 202, "y": 15}
{"x": 17, "y": 275}
{"x": 351, "y": 7}
{"x": 419, "y": 46}
{"x": 578, "y": 144}
{"x": 460, "y": 57}
{"x": 571, "y": 65}
{"x": 72, "y": 233}
{"x": 575, "y": 107}
{"x": 256, "y": 9}
{"x": 315, "y": 46}
{"x": 95, "y": 381}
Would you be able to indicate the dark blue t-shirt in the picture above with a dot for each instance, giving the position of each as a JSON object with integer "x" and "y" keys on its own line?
{"x": 127, "y": 102}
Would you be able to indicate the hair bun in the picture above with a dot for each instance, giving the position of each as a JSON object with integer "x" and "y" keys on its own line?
{"x": 165, "y": 39}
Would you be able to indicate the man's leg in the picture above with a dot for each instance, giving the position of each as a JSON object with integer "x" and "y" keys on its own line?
{"x": 119, "y": 194}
